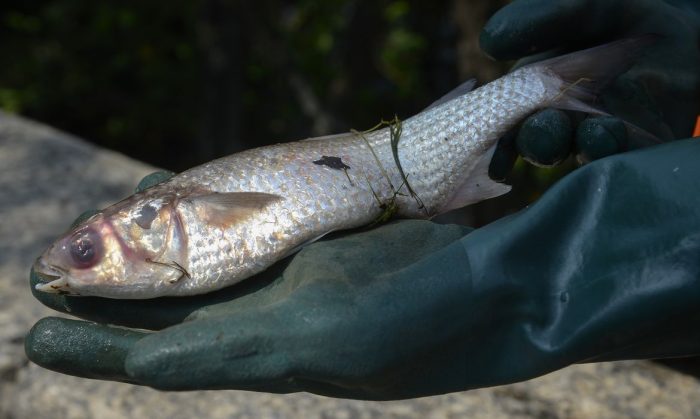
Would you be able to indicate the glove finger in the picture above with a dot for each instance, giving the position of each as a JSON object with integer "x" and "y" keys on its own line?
{"x": 80, "y": 348}
{"x": 630, "y": 100}
{"x": 242, "y": 351}
{"x": 545, "y": 138}
{"x": 145, "y": 183}
{"x": 84, "y": 216}
{"x": 152, "y": 314}
{"x": 525, "y": 27}
{"x": 504, "y": 157}
{"x": 599, "y": 137}
{"x": 154, "y": 179}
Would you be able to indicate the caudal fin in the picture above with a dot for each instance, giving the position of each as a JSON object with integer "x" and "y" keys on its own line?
{"x": 580, "y": 76}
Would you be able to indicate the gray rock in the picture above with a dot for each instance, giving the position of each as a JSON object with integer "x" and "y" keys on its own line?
{"x": 47, "y": 178}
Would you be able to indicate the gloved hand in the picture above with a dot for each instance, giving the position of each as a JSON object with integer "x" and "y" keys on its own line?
{"x": 660, "y": 93}
{"x": 599, "y": 279}
{"x": 604, "y": 266}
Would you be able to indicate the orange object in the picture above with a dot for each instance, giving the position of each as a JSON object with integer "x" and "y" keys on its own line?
{"x": 696, "y": 133}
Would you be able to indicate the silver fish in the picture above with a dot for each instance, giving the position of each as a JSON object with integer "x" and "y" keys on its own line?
{"x": 219, "y": 223}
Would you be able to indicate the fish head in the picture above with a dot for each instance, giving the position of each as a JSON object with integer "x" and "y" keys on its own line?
{"x": 127, "y": 251}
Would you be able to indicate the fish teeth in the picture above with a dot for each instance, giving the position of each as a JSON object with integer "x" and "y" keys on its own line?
{"x": 57, "y": 286}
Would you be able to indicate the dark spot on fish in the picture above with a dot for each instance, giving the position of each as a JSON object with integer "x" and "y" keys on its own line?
{"x": 146, "y": 217}
{"x": 446, "y": 139}
{"x": 332, "y": 162}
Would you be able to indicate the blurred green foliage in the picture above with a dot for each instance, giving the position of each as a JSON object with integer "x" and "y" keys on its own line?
{"x": 178, "y": 83}
{"x": 133, "y": 76}
{"x": 123, "y": 75}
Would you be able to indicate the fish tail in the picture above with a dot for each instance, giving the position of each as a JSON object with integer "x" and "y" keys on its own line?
{"x": 580, "y": 76}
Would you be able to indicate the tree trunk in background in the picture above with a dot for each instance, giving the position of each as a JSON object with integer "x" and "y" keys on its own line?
{"x": 220, "y": 40}
{"x": 470, "y": 16}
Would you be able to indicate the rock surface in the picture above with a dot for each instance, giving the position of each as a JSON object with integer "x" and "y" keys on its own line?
{"x": 47, "y": 178}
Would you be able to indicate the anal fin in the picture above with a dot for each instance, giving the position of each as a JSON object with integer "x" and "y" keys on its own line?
{"x": 476, "y": 186}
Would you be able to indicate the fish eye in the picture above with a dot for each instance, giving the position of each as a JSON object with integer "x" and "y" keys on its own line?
{"x": 85, "y": 248}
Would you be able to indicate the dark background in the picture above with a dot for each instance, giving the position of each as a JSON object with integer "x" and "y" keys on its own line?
{"x": 177, "y": 83}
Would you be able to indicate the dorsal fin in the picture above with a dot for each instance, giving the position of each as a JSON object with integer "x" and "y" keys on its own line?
{"x": 225, "y": 209}
{"x": 458, "y": 91}
{"x": 330, "y": 137}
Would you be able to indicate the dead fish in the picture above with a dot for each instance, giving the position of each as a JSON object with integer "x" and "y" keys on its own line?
{"x": 219, "y": 223}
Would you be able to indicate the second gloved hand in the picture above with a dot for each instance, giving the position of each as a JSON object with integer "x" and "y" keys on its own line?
{"x": 660, "y": 93}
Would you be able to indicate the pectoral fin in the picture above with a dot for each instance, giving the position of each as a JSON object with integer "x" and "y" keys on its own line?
{"x": 225, "y": 209}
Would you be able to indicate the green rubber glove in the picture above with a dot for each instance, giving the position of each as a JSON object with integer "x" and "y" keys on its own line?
{"x": 604, "y": 266}
{"x": 660, "y": 93}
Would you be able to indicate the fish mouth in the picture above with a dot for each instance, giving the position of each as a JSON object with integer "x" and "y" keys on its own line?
{"x": 53, "y": 278}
